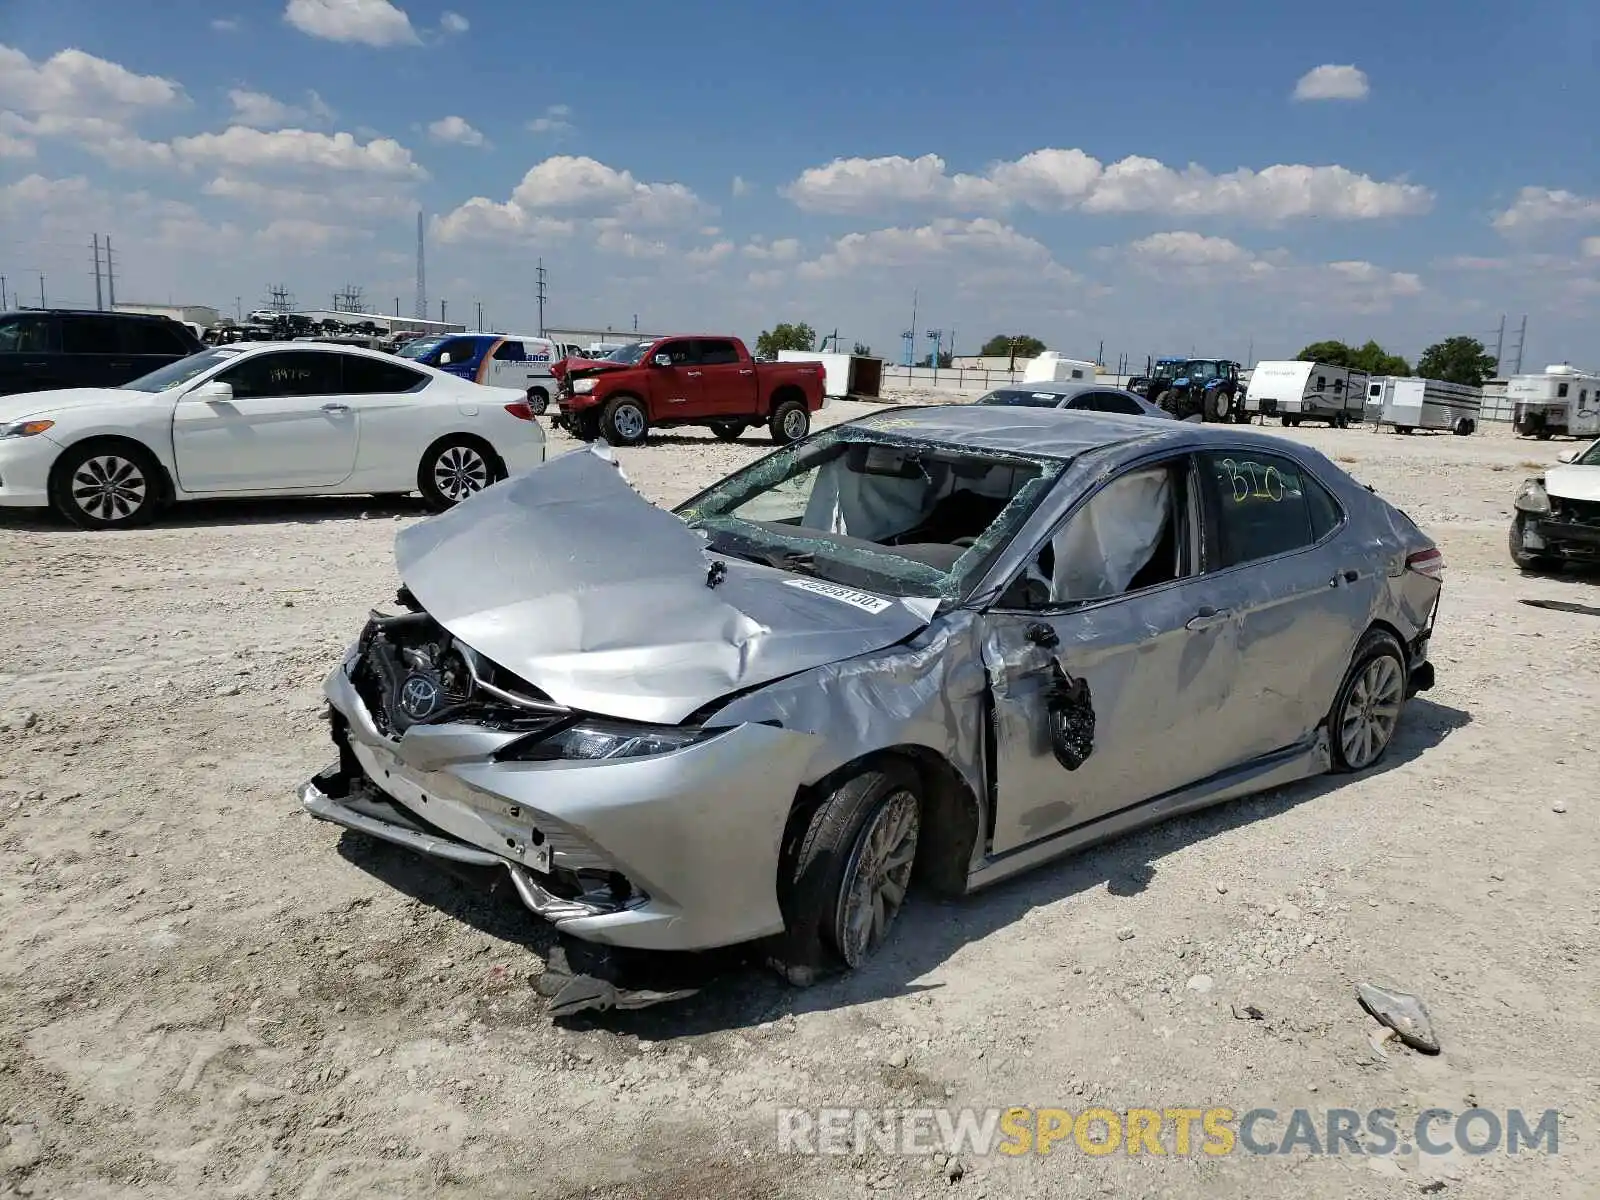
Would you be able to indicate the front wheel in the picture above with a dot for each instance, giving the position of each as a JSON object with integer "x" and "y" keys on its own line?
{"x": 1221, "y": 406}
{"x": 107, "y": 485}
{"x": 624, "y": 422}
{"x": 1532, "y": 561}
{"x": 538, "y": 401}
{"x": 850, "y": 868}
{"x": 728, "y": 431}
{"x": 455, "y": 468}
{"x": 790, "y": 422}
{"x": 1366, "y": 710}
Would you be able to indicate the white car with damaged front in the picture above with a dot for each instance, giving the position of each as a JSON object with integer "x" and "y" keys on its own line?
{"x": 1557, "y": 517}
{"x": 260, "y": 419}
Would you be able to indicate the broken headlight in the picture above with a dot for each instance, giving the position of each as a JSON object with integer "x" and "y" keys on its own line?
{"x": 1531, "y": 496}
{"x": 593, "y": 740}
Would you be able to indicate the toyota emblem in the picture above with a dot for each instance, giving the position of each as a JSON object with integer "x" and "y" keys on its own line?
{"x": 419, "y": 697}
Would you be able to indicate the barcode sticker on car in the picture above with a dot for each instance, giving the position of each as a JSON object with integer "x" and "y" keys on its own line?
{"x": 862, "y": 600}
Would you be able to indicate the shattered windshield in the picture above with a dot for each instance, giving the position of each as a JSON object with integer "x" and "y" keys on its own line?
{"x": 858, "y": 506}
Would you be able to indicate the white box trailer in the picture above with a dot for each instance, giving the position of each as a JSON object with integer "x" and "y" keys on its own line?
{"x": 843, "y": 375}
{"x": 1562, "y": 400}
{"x": 1050, "y": 367}
{"x": 1294, "y": 390}
{"x": 1406, "y": 404}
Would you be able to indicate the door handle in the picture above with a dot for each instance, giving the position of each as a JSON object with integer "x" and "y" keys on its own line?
{"x": 1206, "y": 618}
{"x": 35, "y": 365}
{"x": 692, "y": 374}
{"x": 335, "y": 408}
{"x": 747, "y": 372}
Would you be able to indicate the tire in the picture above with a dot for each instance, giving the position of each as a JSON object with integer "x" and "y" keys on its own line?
{"x": 624, "y": 421}
{"x": 832, "y": 855}
{"x": 538, "y": 401}
{"x": 454, "y": 468}
{"x": 1163, "y": 401}
{"x": 1220, "y": 407}
{"x": 1366, "y": 710}
{"x": 1543, "y": 434}
{"x": 107, "y": 485}
{"x": 1284, "y": 421}
{"x": 1531, "y": 561}
{"x": 586, "y": 426}
{"x": 728, "y": 431}
{"x": 790, "y": 422}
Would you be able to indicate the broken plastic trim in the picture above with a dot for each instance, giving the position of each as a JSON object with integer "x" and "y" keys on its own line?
{"x": 1071, "y": 716}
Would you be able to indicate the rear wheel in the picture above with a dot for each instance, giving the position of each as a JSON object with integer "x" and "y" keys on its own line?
{"x": 790, "y": 422}
{"x": 624, "y": 423}
{"x": 106, "y": 485}
{"x": 849, "y": 870}
{"x": 1163, "y": 401}
{"x": 538, "y": 400}
{"x": 728, "y": 430}
{"x": 1366, "y": 710}
{"x": 454, "y": 468}
{"x": 1533, "y": 561}
{"x": 1221, "y": 405}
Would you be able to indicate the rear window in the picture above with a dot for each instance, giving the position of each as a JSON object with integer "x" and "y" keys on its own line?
{"x": 371, "y": 376}
{"x": 152, "y": 337}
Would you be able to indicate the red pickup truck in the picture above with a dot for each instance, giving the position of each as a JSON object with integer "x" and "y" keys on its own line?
{"x": 685, "y": 380}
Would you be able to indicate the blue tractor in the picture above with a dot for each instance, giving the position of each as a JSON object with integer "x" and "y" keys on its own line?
{"x": 1158, "y": 377}
{"x": 1205, "y": 387}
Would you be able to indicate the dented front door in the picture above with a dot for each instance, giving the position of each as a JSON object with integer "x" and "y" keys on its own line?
{"x": 1158, "y": 669}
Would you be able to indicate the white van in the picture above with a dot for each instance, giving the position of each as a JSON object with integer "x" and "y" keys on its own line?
{"x": 1406, "y": 404}
{"x": 1294, "y": 390}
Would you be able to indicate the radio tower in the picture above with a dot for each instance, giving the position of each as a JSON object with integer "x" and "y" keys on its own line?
{"x": 422, "y": 274}
{"x": 279, "y": 299}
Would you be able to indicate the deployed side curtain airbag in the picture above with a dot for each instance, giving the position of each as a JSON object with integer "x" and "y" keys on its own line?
{"x": 1104, "y": 546}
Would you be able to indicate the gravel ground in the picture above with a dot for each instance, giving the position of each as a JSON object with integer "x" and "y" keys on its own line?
{"x": 203, "y": 993}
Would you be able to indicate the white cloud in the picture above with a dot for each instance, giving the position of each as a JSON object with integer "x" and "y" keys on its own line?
{"x": 240, "y": 146}
{"x": 453, "y": 23}
{"x": 629, "y": 245}
{"x": 74, "y": 83}
{"x": 264, "y": 111}
{"x": 368, "y": 22}
{"x": 1332, "y": 81}
{"x": 706, "y": 256}
{"x": 983, "y": 240}
{"x": 740, "y": 187}
{"x": 557, "y": 120}
{"x": 1184, "y": 248}
{"x": 456, "y": 131}
{"x": 482, "y": 219}
{"x": 1535, "y": 206}
{"x": 1591, "y": 247}
{"x": 1054, "y": 180}
{"x": 15, "y": 147}
{"x": 585, "y": 187}
{"x": 227, "y": 24}
{"x": 100, "y": 136}
{"x": 301, "y": 233}
{"x": 372, "y": 200}
{"x": 781, "y": 250}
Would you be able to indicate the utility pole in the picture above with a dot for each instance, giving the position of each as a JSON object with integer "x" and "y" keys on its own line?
{"x": 4, "y": 307}
{"x": 1522, "y": 338}
{"x": 99, "y": 302}
{"x": 541, "y": 297}
{"x": 1499, "y": 343}
{"x": 41, "y": 289}
{"x": 636, "y": 322}
{"x": 111, "y": 275}
{"x": 238, "y": 310}
{"x": 1101, "y": 357}
{"x": 441, "y": 311}
{"x": 480, "y": 316}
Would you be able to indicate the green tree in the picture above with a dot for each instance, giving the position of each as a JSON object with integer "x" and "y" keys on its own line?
{"x": 786, "y": 336}
{"x": 862, "y": 349}
{"x": 1459, "y": 359}
{"x": 1336, "y": 353}
{"x": 999, "y": 346}
{"x": 1371, "y": 358}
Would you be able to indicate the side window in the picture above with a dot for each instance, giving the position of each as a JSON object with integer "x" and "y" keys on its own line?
{"x": 1375, "y": 390}
{"x": 1262, "y": 506}
{"x": 1322, "y": 382}
{"x": 1561, "y": 391}
{"x": 284, "y": 373}
{"x": 373, "y": 376}
{"x": 151, "y": 337}
{"x": 1110, "y": 402}
{"x": 509, "y": 352}
{"x": 27, "y": 335}
{"x": 89, "y": 335}
{"x": 1129, "y": 536}
{"x": 716, "y": 354}
{"x": 460, "y": 350}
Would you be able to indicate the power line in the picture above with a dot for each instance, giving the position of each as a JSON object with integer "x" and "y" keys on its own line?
{"x": 541, "y": 296}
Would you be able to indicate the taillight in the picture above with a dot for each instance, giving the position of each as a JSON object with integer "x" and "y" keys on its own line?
{"x": 520, "y": 410}
{"x": 1429, "y": 562}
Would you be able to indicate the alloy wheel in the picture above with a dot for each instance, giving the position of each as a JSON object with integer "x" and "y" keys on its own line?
{"x": 629, "y": 421}
{"x": 109, "y": 487}
{"x": 794, "y": 424}
{"x": 876, "y": 877}
{"x": 459, "y": 471}
{"x": 1371, "y": 712}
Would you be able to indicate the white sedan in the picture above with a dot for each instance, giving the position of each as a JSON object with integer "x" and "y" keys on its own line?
{"x": 261, "y": 419}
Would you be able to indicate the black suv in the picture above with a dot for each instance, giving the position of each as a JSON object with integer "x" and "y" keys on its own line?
{"x": 49, "y": 348}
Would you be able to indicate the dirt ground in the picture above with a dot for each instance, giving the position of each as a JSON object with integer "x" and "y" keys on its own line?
{"x": 204, "y": 993}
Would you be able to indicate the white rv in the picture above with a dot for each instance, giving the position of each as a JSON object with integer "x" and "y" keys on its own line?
{"x": 1050, "y": 367}
{"x": 1295, "y": 391}
{"x": 1408, "y": 404}
{"x": 1561, "y": 400}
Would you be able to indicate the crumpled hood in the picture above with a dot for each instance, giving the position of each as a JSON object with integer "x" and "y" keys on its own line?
{"x": 1573, "y": 483}
{"x": 28, "y": 404}
{"x": 579, "y": 368}
{"x": 570, "y": 579}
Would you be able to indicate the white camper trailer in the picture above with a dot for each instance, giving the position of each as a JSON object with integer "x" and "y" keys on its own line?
{"x": 1562, "y": 400}
{"x": 1050, "y": 367}
{"x": 1407, "y": 404}
{"x": 1295, "y": 391}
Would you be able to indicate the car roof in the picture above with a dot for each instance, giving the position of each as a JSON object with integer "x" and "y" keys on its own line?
{"x": 1051, "y": 433}
{"x": 86, "y": 312}
{"x": 1063, "y": 388}
{"x": 330, "y": 347}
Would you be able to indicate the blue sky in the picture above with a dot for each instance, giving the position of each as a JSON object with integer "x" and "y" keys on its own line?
{"x": 1153, "y": 175}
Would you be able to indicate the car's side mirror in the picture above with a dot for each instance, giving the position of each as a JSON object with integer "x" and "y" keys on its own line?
{"x": 444, "y": 359}
{"x": 662, "y": 360}
{"x": 1566, "y": 456}
{"x": 214, "y": 392}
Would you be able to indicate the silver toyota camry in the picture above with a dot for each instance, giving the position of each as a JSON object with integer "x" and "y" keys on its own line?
{"x": 932, "y": 646}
